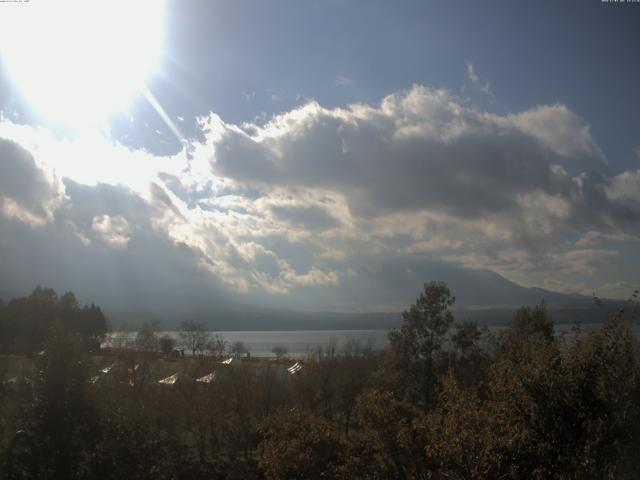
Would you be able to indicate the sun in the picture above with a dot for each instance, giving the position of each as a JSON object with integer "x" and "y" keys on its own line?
{"x": 78, "y": 61}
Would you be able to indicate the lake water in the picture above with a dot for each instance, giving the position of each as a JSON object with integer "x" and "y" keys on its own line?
{"x": 299, "y": 343}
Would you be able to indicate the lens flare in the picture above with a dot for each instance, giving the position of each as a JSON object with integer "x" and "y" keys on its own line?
{"x": 78, "y": 61}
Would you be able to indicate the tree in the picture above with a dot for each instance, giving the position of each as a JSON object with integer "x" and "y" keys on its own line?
{"x": 217, "y": 345}
{"x": 94, "y": 322}
{"x": 469, "y": 358}
{"x": 279, "y": 351}
{"x": 69, "y": 303}
{"x": 167, "y": 344}
{"x": 27, "y": 320}
{"x": 238, "y": 348}
{"x": 569, "y": 410}
{"x": 146, "y": 339}
{"x": 301, "y": 445}
{"x": 121, "y": 340}
{"x": 194, "y": 335}
{"x": 417, "y": 346}
{"x": 462, "y": 440}
{"x": 527, "y": 322}
{"x": 389, "y": 437}
{"x": 466, "y": 338}
{"x": 65, "y": 420}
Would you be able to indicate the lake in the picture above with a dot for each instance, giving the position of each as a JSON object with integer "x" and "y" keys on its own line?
{"x": 299, "y": 343}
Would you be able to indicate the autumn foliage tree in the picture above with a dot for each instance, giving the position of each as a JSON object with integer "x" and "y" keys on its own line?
{"x": 300, "y": 445}
{"x": 64, "y": 421}
{"x": 418, "y": 346}
{"x": 446, "y": 400}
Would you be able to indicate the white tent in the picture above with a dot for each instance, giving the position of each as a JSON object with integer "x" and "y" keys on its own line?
{"x": 178, "y": 378}
{"x": 106, "y": 376}
{"x": 108, "y": 369}
{"x": 296, "y": 367}
{"x": 209, "y": 378}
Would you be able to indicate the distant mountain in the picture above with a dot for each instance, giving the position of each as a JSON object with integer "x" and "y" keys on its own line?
{"x": 475, "y": 287}
{"x": 562, "y": 308}
{"x": 481, "y": 295}
{"x": 373, "y": 298}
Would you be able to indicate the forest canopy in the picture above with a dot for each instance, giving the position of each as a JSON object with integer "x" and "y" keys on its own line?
{"x": 447, "y": 399}
{"x": 25, "y": 322}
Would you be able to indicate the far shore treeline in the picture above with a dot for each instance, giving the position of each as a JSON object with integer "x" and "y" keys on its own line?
{"x": 446, "y": 400}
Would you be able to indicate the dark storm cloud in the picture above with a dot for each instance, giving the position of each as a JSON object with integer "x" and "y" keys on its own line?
{"x": 23, "y": 183}
{"x": 422, "y": 150}
{"x": 89, "y": 201}
{"x": 312, "y": 218}
{"x": 99, "y": 242}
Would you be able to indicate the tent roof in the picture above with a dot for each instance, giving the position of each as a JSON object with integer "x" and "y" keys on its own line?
{"x": 296, "y": 367}
{"x": 176, "y": 378}
{"x": 207, "y": 378}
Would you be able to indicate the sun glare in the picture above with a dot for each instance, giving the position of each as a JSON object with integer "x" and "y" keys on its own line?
{"x": 78, "y": 61}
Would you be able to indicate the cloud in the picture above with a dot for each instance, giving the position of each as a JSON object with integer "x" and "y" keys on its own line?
{"x": 621, "y": 290}
{"x": 344, "y": 81}
{"x": 113, "y": 230}
{"x": 322, "y": 207}
{"x": 409, "y": 154}
{"x": 471, "y": 73}
{"x": 423, "y": 150}
{"x": 562, "y": 131}
{"x": 593, "y": 237}
{"x": 424, "y": 174}
{"x": 475, "y": 84}
{"x": 312, "y": 218}
{"x": 614, "y": 290}
{"x": 26, "y": 192}
{"x": 625, "y": 187}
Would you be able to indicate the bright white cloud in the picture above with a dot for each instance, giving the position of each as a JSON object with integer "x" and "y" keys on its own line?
{"x": 114, "y": 231}
{"x": 475, "y": 84}
{"x": 625, "y": 188}
{"x": 561, "y": 130}
{"x": 471, "y": 73}
{"x": 344, "y": 81}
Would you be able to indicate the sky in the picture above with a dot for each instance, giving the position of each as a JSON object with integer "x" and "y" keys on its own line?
{"x": 318, "y": 155}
